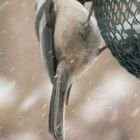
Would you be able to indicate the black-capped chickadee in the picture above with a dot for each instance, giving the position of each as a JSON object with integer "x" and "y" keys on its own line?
{"x": 69, "y": 38}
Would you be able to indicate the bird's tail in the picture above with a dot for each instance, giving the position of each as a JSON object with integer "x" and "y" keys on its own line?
{"x": 58, "y": 100}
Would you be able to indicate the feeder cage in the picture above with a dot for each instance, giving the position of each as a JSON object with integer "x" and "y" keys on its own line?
{"x": 119, "y": 22}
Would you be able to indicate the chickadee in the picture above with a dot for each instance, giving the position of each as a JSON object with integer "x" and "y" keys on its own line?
{"x": 69, "y": 40}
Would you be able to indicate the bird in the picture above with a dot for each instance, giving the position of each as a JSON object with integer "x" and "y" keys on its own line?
{"x": 69, "y": 40}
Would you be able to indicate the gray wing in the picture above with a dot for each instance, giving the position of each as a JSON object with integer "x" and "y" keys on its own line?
{"x": 45, "y": 24}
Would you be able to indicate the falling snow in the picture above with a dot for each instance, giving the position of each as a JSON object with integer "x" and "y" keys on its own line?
{"x": 104, "y": 102}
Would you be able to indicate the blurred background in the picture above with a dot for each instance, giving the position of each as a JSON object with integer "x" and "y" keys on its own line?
{"x": 104, "y": 102}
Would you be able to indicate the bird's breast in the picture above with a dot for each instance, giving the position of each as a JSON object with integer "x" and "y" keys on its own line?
{"x": 68, "y": 24}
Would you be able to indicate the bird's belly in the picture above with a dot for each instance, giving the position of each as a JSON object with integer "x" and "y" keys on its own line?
{"x": 74, "y": 50}
{"x": 69, "y": 44}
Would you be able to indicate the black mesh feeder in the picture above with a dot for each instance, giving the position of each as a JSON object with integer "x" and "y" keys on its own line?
{"x": 119, "y": 22}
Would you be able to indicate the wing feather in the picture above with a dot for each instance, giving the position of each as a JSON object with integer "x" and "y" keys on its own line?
{"x": 45, "y": 24}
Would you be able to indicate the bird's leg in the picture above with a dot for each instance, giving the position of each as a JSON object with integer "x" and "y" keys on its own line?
{"x": 90, "y": 13}
{"x": 101, "y": 50}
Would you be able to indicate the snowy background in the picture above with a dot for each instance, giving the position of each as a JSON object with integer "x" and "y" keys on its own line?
{"x": 104, "y": 102}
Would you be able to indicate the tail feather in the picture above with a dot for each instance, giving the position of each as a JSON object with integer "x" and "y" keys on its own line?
{"x": 58, "y": 100}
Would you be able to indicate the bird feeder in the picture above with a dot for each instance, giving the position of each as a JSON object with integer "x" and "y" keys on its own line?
{"x": 119, "y": 22}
